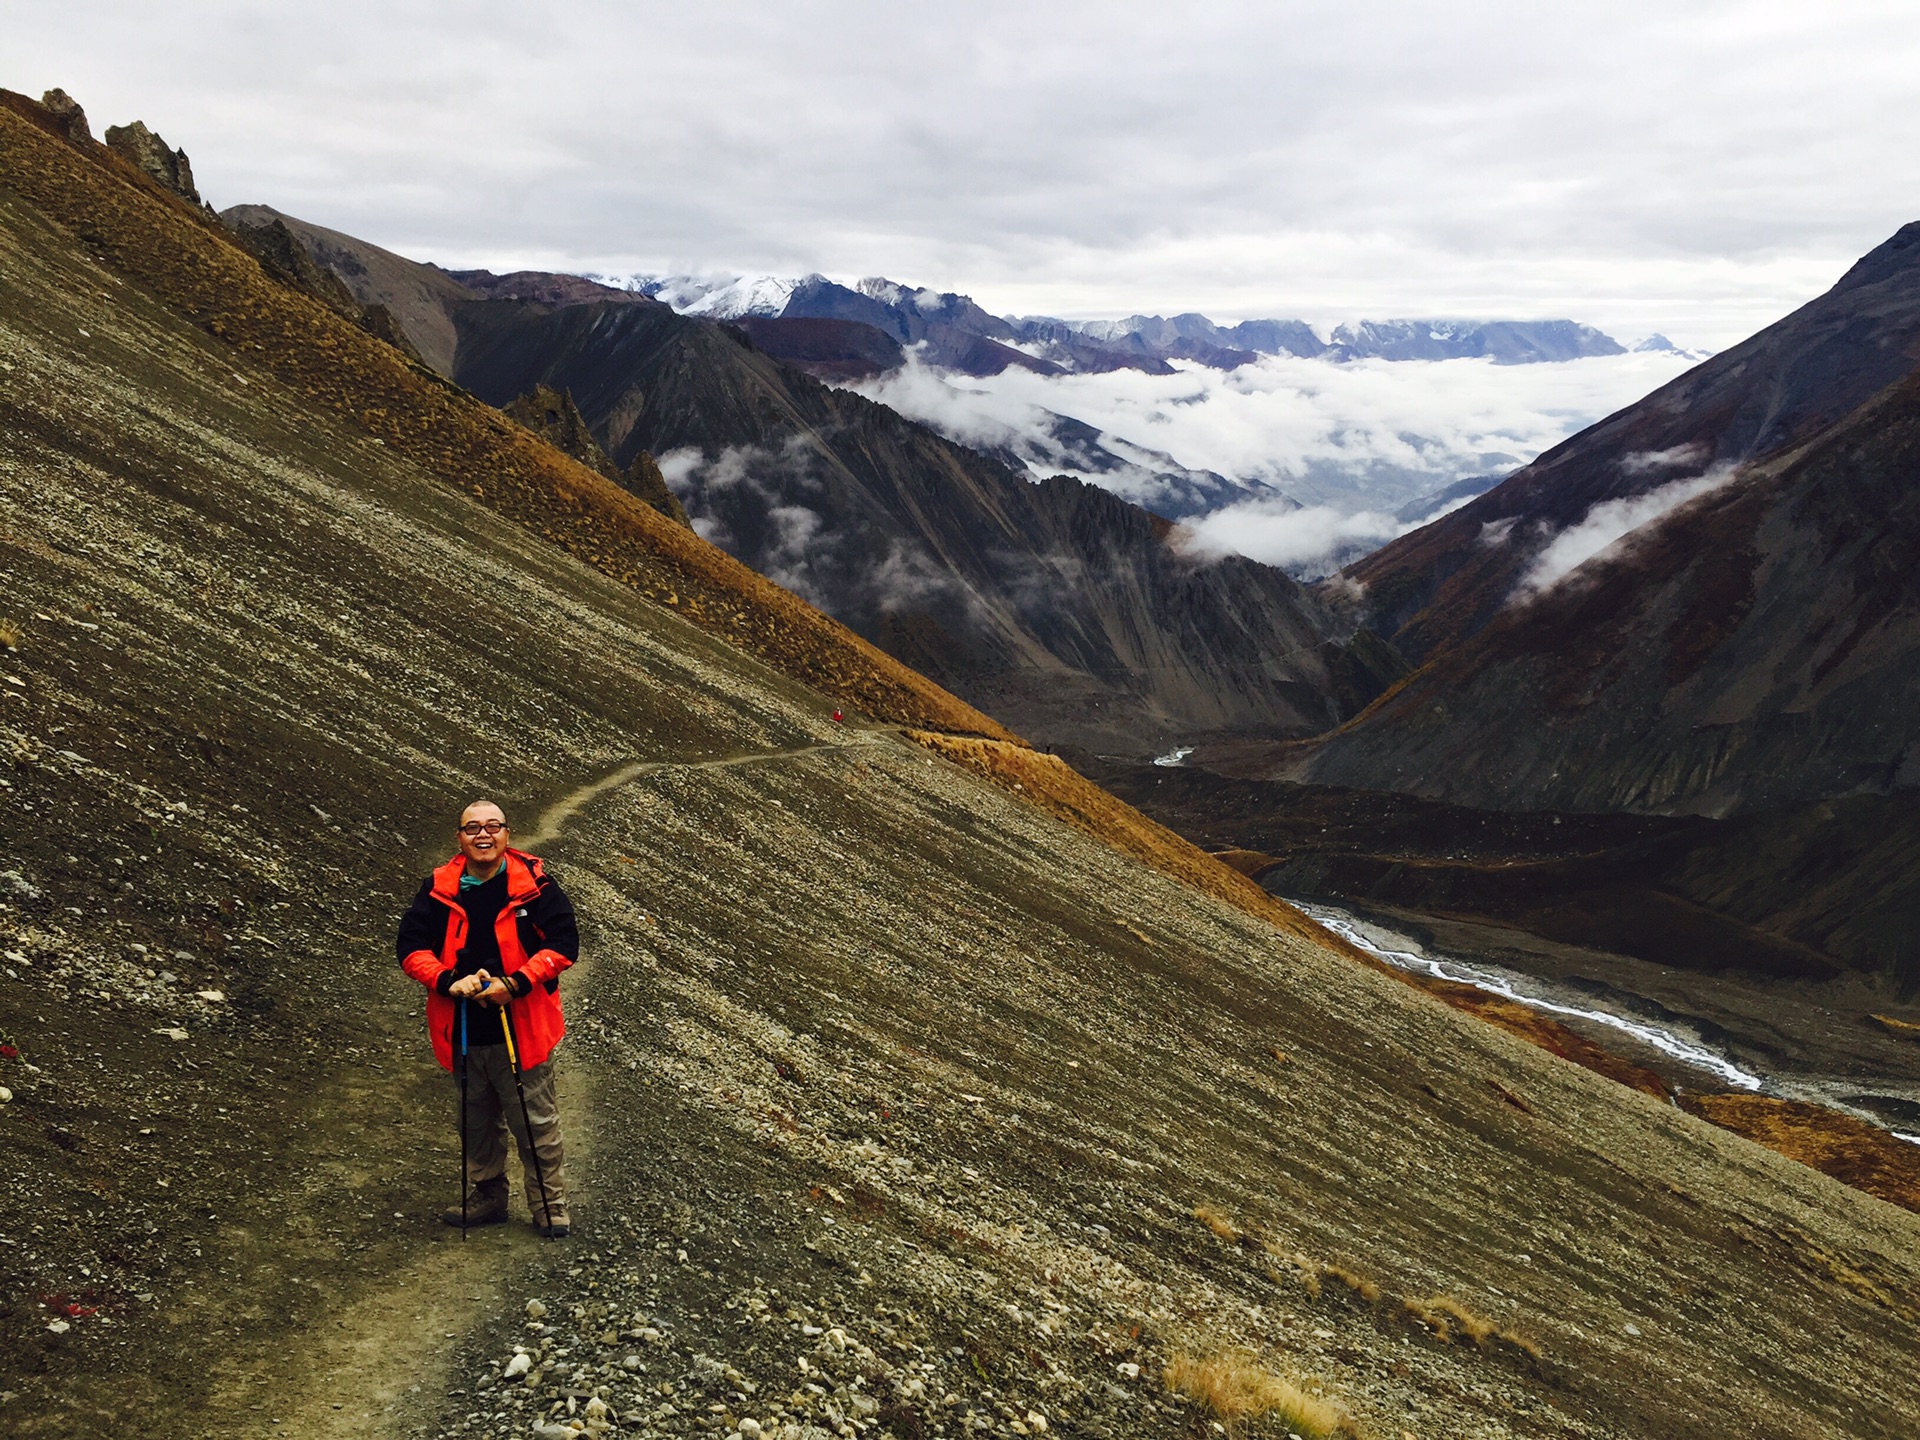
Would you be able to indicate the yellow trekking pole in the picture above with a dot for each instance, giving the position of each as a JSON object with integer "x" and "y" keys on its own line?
{"x": 526, "y": 1119}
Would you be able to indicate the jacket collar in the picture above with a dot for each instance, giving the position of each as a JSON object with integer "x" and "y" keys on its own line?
{"x": 524, "y": 873}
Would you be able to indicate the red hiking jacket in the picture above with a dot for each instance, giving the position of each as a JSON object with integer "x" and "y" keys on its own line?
{"x": 538, "y": 1022}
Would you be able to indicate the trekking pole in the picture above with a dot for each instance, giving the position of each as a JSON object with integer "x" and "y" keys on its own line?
{"x": 513, "y": 1063}
{"x": 463, "y": 1117}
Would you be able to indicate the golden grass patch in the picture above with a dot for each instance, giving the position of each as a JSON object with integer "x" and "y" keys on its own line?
{"x": 1235, "y": 1388}
{"x": 1357, "y": 1283}
{"x": 1447, "y": 1317}
{"x": 9, "y": 635}
{"x": 1218, "y": 1223}
{"x": 1850, "y": 1150}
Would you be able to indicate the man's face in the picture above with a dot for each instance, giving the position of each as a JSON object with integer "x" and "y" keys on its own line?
{"x": 482, "y": 849}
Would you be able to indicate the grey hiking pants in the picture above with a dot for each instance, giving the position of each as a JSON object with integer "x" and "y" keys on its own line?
{"x": 493, "y": 1109}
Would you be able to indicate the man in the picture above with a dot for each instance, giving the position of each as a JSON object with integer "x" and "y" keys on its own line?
{"x": 488, "y": 935}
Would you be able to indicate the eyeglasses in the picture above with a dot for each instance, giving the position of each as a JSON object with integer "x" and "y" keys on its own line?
{"x": 477, "y": 827}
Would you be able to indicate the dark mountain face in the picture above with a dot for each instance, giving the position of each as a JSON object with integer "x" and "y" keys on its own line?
{"x": 546, "y": 287}
{"x": 831, "y": 350}
{"x": 954, "y": 333}
{"x": 1758, "y": 647}
{"x": 1059, "y": 605}
{"x": 1441, "y": 584}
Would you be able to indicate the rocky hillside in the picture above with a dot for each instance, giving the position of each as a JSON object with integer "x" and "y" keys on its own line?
{"x": 897, "y": 1103}
{"x": 1058, "y": 608}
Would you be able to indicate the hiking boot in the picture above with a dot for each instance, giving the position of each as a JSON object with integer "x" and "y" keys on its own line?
{"x": 550, "y": 1227}
{"x": 486, "y": 1205}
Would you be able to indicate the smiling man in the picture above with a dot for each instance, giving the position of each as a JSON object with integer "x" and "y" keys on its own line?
{"x": 488, "y": 934}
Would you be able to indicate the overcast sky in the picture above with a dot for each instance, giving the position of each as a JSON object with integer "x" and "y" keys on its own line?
{"x": 1691, "y": 168}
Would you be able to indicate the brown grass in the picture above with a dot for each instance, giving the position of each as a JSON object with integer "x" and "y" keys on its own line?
{"x": 1235, "y": 1388}
{"x": 330, "y": 366}
{"x": 1899, "y": 1029}
{"x": 1448, "y": 1318}
{"x": 1357, "y": 1283}
{"x": 9, "y": 635}
{"x": 1250, "y": 863}
{"x": 1851, "y": 1151}
{"x": 1218, "y": 1223}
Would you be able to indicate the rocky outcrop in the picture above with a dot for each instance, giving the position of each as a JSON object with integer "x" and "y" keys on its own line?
{"x": 552, "y": 415}
{"x": 419, "y": 300}
{"x": 67, "y": 119}
{"x": 282, "y": 256}
{"x": 148, "y": 153}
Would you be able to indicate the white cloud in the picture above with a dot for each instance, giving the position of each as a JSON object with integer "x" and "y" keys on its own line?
{"x": 1609, "y": 523}
{"x": 1352, "y": 442}
{"x": 1309, "y": 542}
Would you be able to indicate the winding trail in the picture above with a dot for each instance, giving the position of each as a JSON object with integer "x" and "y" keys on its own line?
{"x": 555, "y": 817}
{"x": 381, "y": 1367}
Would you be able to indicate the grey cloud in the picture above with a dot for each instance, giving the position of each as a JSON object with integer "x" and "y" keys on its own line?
{"x": 1636, "y": 165}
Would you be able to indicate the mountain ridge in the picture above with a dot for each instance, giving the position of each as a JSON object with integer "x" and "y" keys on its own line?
{"x": 1143, "y": 342}
{"x": 1065, "y": 607}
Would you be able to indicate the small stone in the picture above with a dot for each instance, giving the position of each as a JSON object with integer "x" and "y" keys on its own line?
{"x": 1036, "y": 1422}
{"x": 535, "y": 1310}
{"x": 748, "y": 1427}
{"x": 1629, "y": 1327}
{"x": 836, "y": 1337}
{"x": 630, "y": 1362}
{"x": 519, "y": 1364}
{"x": 176, "y": 1033}
{"x": 218, "y": 997}
{"x": 1125, "y": 1367}
{"x": 6, "y": 1097}
{"x": 60, "y": 1327}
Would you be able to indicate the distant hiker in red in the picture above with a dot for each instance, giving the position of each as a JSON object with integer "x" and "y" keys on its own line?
{"x": 488, "y": 935}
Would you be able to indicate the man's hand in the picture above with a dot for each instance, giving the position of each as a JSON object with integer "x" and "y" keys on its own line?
{"x": 498, "y": 992}
{"x": 468, "y": 986}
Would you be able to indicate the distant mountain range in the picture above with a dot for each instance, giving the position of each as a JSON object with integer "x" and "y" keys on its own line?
{"x": 957, "y": 334}
{"x": 1064, "y": 608}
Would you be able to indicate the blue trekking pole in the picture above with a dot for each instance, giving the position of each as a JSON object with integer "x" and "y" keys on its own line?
{"x": 463, "y": 1118}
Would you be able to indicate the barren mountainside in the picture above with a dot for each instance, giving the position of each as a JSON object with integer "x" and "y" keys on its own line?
{"x": 899, "y": 1104}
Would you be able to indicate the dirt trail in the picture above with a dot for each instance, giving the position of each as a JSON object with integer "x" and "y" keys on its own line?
{"x": 557, "y": 814}
{"x": 381, "y": 1366}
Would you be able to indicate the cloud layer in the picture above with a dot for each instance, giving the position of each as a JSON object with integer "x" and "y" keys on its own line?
{"x": 1351, "y": 443}
{"x": 1635, "y": 165}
